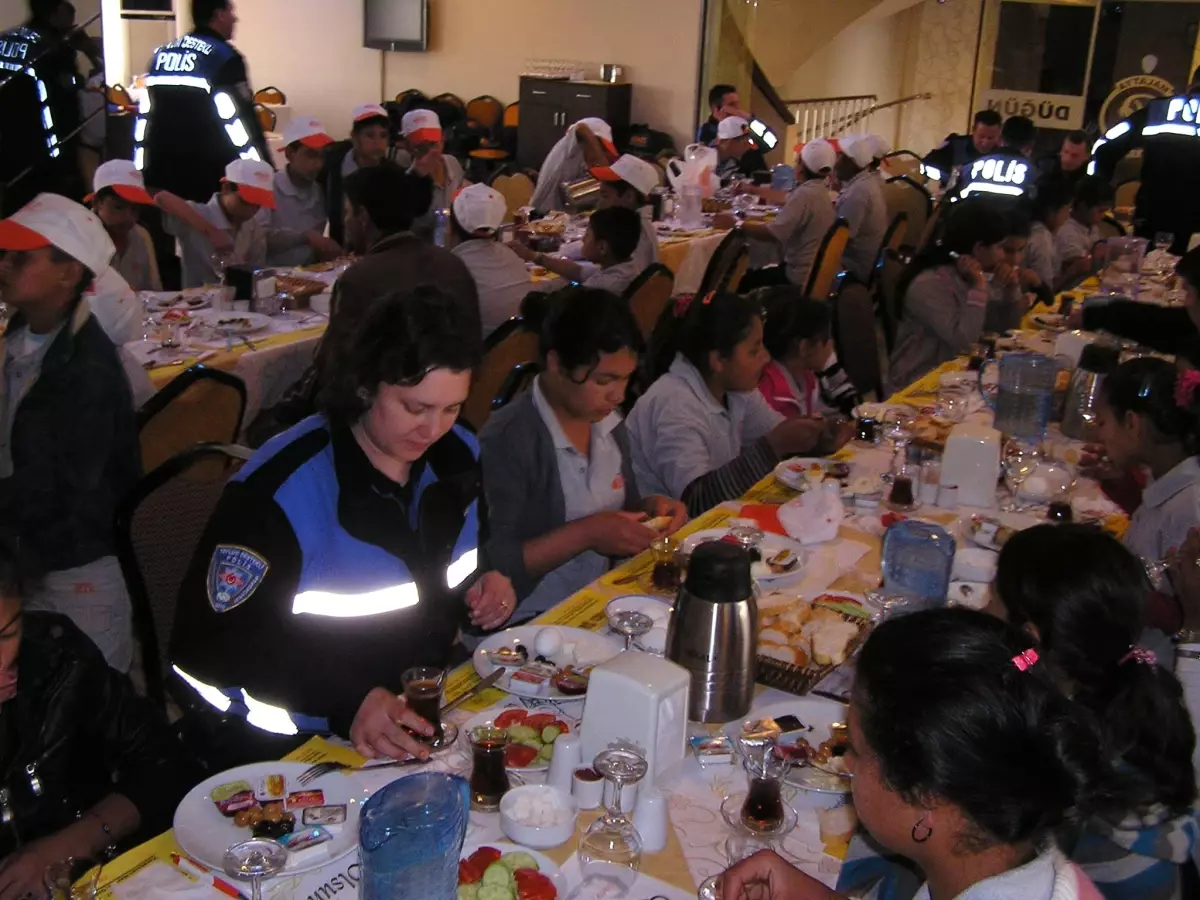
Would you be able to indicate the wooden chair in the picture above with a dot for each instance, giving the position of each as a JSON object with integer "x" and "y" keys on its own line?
{"x": 1110, "y": 227}
{"x": 158, "y": 527}
{"x": 486, "y": 114}
{"x": 828, "y": 263}
{"x": 519, "y": 380}
{"x": 940, "y": 211}
{"x": 119, "y": 96}
{"x": 507, "y": 347}
{"x": 516, "y": 188}
{"x": 266, "y": 117}
{"x": 452, "y": 100}
{"x": 887, "y": 281}
{"x": 412, "y": 94}
{"x": 901, "y": 164}
{"x": 201, "y": 405}
{"x": 649, "y": 294}
{"x": 739, "y": 271}
{"x": 905, "y": 195}
{"x": 724, "y": 264}
{"x": 892, "y": 239}
{"x": 855, "y": 336}
{"x": 1126, "y": 194}
{"x": 270, "y": 95}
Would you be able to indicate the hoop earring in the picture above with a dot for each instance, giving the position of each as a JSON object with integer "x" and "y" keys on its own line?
{"x": 362, "y": 395}
{"x": 922, "y": 836}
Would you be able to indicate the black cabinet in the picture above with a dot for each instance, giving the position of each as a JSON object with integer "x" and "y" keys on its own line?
{"x": 549, "y": 106}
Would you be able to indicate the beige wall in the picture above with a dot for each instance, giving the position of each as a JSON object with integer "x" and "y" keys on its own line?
{"x": 312, "y": 50}
{"x": 945, "y": 67}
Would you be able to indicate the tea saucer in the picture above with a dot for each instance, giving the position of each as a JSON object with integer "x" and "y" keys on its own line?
{"x": 731, "y": 811}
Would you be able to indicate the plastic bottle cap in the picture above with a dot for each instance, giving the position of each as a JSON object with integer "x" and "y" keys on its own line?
{"x": 719, "y": 572}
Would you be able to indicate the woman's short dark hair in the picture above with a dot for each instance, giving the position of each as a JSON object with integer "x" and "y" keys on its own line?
{"x": 1147, "y": 386}
{"x": 1085, "y": 593}
{"x": 392, "y": 197}
{"x": 582, "y": 324}
{"x": 949, "y": 716}
{"x": 719, "y": 322}
{"x": 789, "y": 318}
{"x": 403, "y": 337}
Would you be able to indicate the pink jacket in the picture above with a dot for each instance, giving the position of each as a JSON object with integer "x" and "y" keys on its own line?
{"x": 777, "y": 391}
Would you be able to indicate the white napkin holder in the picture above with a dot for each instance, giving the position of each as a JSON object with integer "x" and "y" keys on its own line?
{"x": 640, "y": 700}
{"x": 972, "y": 463}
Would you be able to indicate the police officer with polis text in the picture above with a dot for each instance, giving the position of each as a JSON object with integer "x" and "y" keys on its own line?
{"x": 1168, "y": 132}
{"x": 200, "y": 114}
{"x": 959, "y": 149}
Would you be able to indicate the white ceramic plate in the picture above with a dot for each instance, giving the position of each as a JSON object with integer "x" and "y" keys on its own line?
{"x": 545, "y": 864}
{"x": 819, "y": 715}
{"x": 1050, "y": 321}
{"x": 161, "y": 301}
{"x": 790, "y": 472}
{"x": 206, "y": 834}
{"x": 488, "y": 716}
{"x": 657, "y": 608}
{"x": 232, "y": 322}
{"x": 591, "y": 649}
{"x": 968, "y": 594}
{"x": 771, "y": 545}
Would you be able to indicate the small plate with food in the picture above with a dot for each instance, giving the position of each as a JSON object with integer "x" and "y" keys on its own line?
{"x": 316, "y": 822}
{"x": 235, "y": 323}
{"x": 989, "y": 533}
{"x": 803, "y": 473}
{"x": 549, "y": 662}
{"x": 780, "y": 557}
{"x": 812, "y": 734}
{"x": 1049, "y": 321}
{"x": 502, "y": 871}
{"x": 161, "y": 301}
{"x": 532, "y": 734}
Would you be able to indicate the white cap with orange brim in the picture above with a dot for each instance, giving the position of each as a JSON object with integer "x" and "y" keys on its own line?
{"x": 51, "y": 220}
{"x": 600, "y": 129}
{"x": 309, "y": 132}
{"x": 369, "y": 111}
{"x": 421, "y": 126}
{"x": 637, "y": 173}
{"x": 255, "y": 181}
{"x": 479, "y": 209}
{"x": 125, "y": 180}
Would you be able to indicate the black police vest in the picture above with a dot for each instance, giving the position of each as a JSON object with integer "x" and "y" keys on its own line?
{"x": 1005, "y": 174}
{"x": 26, "y": 105}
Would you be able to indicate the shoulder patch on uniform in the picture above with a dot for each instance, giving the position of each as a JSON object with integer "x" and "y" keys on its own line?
{"x": 233, "y": 575}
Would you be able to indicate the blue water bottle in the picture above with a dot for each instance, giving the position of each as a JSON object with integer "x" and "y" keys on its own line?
{"x": 441, "y": 227}
{"x": 917, "y": 560}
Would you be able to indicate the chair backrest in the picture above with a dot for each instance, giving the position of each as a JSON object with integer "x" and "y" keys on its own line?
{"x": 828, "y": 263}
{"x": 266, "y": 117}
{"x": 649, "y": 294}
{"x": 739, "y": 271}
{"x": 1126, "y": 194}
{"x": 901, "y": 163}
{"x": 518, "y": 381}
{"x": 905, "y": 195}
{"x": 1110, "y": 227}
{"x": 158, "y": 527}
{"x": 887, "y": 282}
{"x": 200, "y": 406}
{"x": 940, "y": 211}
{"x": 451, "y": 100}
{"x": 270, "y": 94}
{"x": 723, "y": 263}
{"x": 485, "y": 111}
{"x": 855, "y": 337}
{"x": 118, "y": 96}
{"x": 512, "y": 115}
{"x": 516, "y": 188}
{"x": 507, "y": 347}
{"x": 892, "y": 239}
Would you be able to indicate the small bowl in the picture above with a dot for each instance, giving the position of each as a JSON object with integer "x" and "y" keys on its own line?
{"x": 544, "y": 837}
{"x": 975, "y": 565}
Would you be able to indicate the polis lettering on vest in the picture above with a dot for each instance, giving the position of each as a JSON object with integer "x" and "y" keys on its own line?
{"x": 14, "y": 50}
{"x": 175, "y": 62}
{"x": 1186, "y": 109}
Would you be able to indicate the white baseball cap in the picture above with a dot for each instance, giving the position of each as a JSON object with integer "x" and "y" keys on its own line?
{"x": 421, "y": 126}
{"x": 308, "y": 132}
{"x": 255, "y": 181}
{"x": 479, "y": 209}
{"x": 637, "y": 173}
{"x": 859, "y": 148}
{"x": 51, "y": 220}
{"x": 369, "y": 111}
{"x": 879, "y": 145}
{"x": 123, "y": 177}
{"x": 600, "y": 129}
{"x": 818, "y": 155}
{"x": 732, "y": 127}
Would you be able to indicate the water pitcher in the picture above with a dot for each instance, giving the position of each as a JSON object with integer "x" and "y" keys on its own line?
{"x": 1079, "y": 412}
{"x": 1024, "y": 399}
{"x": 917, "y": 560}
{"x": 1123, "y": 266}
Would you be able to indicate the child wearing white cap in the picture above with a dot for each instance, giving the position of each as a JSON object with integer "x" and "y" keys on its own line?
{"x": 233, "y": 215}
{"x": 502, "y": 279}
{"x": 587, "y": 144}
{"x": 802, "y": 223}
{"x": 861, "y": 203}
{"x": 422, "y": 133}
{"x": 628, "y": 183}
{"x": 118, "y": 192}
{"x": 68, "y": 433}
{"x": 296, "y": 226}
{"x": 738, "y": 154}
{"x": 369, "y": 145}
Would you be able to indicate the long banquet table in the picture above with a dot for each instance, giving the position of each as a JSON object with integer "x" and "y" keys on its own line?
{"x": 695, "y": 851}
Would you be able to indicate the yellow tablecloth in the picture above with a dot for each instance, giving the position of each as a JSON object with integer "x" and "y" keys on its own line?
{"x": 227, "y": 360}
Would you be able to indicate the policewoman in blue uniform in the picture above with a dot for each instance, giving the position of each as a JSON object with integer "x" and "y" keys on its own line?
{"x": 347, "y": 549}
{"x": 200, "y": 114}
{"x": 1168, "y": 132}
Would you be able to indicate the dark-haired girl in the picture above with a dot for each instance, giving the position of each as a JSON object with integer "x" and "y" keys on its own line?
{"x": 944, "y": 292}
{"x": 562, "y": 499}
{"x": 965, "y": 757}
{"x": 702, "y": 432}
{"x": 1147, "y": 418}
{"x": 1081, "y": 596}
{"x": 1049, "y": 210}
{"x": 351, "y": 543}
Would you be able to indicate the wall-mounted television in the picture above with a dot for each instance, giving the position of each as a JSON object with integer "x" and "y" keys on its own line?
{"x": 396, "y": 24}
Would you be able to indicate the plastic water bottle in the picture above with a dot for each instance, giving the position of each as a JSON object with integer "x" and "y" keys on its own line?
{"x": 917, "y": 560}
{"x": 441, "y": 227}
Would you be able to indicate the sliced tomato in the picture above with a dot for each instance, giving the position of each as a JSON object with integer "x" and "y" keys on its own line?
{"x": 518, "y": 756}
{"x": 468, "y": 872}
{"x": 532, "y": 885}
{"x": 890, "y": 519}
{"x": 510, "y": 717}
{"x": 538, "y": 722}
{"x": 563, "y": 727}
{"x": 485, "y": 856}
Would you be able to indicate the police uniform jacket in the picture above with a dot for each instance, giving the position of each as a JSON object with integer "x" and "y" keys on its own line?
{"x": 318, "y": 579}
{"x": 956, "y": 150}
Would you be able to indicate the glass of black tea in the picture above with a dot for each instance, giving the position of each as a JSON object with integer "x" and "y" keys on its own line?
{"x": 489, "y": 778}
{"x": 423, "y": 694}
{"x": 763, "y": 810}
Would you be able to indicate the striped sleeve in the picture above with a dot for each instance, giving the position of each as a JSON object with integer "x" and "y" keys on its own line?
{"x": 837, "y": 390}
{"x": 731, "y": 480}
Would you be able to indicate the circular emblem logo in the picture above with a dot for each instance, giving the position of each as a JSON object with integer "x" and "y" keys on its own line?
{"x": 1131, "y": 94}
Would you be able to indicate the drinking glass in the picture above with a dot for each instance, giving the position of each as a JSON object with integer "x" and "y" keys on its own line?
{"x": 897, "y": 431}
{"x": 611, "y": 847}
{"x": 423, "y": 693}
{"x": 906, "y": 487}
{"x": 74, "y": 878}
{"x": 1163, "y": 240}
{"x": 1020, "y": 458}
{"x": 253, "y": 861}
{"x": 489, "y": 778}
{"x": 220, "y": 260}
{"x": 668, "y": 567}
{"x": 630, "y": 623}
{"x": 763, "y": 811}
